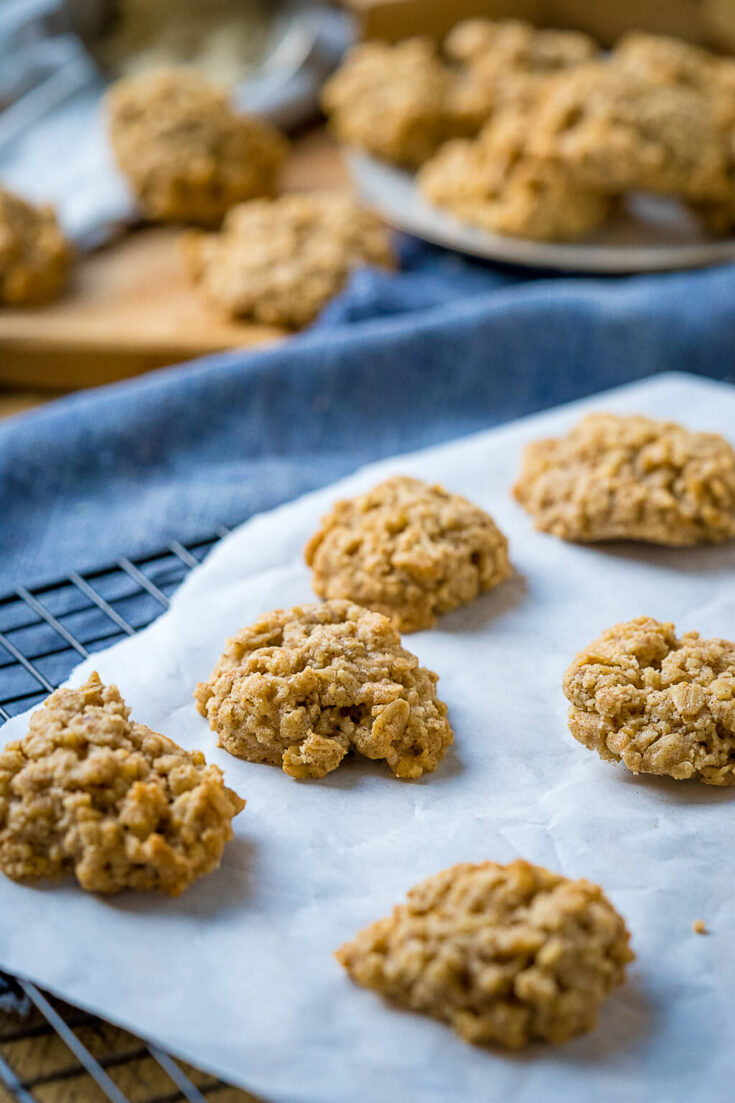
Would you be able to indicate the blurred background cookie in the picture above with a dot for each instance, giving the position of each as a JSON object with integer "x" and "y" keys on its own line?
{"x": 187, "y": 154}
{"x": 34, "y": 254}
{"x": 280, "y": 261}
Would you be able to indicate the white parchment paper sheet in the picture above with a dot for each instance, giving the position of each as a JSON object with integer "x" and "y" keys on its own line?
{"x": 238, "y": 975}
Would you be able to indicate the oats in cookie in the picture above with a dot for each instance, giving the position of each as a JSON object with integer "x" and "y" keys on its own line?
{"x": 394, "y": 101}
{"x": 506, "y": 955}
{"x": 616, "y": 131}
{"x": 302, "y": 687}
{"x": 409, "y": 550}
{"x": 89, "y": 792}
{"x": 34, "y": 254}
{"x": 495, "y": 183}
{"x": 186, "y": 153}
{"x": 659, "y": 704}
{"x": 280, "y": 261}
{"x": 631, "y": 478}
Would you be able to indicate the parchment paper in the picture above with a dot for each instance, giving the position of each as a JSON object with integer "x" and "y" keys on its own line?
{"x": 238, "y": 975}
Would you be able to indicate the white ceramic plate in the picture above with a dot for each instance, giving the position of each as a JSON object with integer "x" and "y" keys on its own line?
{"x": 651, "y": 234}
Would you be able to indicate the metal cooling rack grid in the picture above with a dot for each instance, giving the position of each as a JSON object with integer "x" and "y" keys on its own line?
{"x": 51, "y": 1052}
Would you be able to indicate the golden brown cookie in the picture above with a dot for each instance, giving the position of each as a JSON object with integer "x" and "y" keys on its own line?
{"x": 34, "y": 254}
{"x": 509, "y": 63}
{"x": 656, "y": 703}
{"x": 395, "y": 101}
{"x": 186, "y": 153}
{"x": 506, "y": 955}
{"x": 302, "y": 687}
{"x": 616, "y": 131}
{"x": 280, "y": 261}
{"x": 631, "y": 478}
{"x": 666, "y": 60}
{"x": 495, "y": 183}
{"x": 91, "y": 793}
{"x": 409, "y": 550}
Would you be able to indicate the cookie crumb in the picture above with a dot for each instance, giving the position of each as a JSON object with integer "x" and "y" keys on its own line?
{"x": 699, "y": 926}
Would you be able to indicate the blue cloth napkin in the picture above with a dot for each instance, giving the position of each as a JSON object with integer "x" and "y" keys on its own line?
{"x": 444, "y": 348}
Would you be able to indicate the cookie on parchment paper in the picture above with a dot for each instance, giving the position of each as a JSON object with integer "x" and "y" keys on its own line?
{"x": 629, "y": 477}
{"x": 303, "y": 687}
{"x": 89, "y": 792}
{"x": 506, "y": 955}
{"x": 410, "y": 550}
{"x": 658, "y": 703}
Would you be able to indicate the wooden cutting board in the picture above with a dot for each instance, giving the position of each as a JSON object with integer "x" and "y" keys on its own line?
{"x": 132, "y": 306}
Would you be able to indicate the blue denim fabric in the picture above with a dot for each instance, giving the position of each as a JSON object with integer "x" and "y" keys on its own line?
{"x": 444, "y": 348}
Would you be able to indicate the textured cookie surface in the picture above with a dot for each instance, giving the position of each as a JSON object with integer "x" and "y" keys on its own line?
{"x": 658, "y": 703}
{"x": 496, "y": 183}
{"x": 187, "y": 155}
{"x": 34, "y": 254}
{"x": 670, "y": 61}
{"x": 279, "y": 261}
{"x": 505, "y": 954}
{"x": 664, "y": 59}
{"x": 301, "y": 687}
{"x": 91, "y": 793}
{"x": 617, "y": 131}
{"x": 395, "y": 101}
{"x": 409, "y": 550}
{"x": 631, "y": 478}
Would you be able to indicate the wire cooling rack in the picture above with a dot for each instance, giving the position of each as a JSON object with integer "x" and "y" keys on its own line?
{"x": 51, "y": 1052}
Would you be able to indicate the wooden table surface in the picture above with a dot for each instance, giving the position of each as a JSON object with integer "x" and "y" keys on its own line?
{"x": 132, "y": 307}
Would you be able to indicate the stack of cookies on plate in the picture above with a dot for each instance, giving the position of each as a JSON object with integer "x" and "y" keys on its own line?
{"x": 538, "y": 133}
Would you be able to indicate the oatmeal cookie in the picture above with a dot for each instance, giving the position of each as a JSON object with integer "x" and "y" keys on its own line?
{"x": 186, "y": 153}
{"x": 664, "y": 59}
{"x": 506, "y": 955}
{"x": 668, "y": 61}
{"x": 90, "y": 792}
{"x": 615, "y": 131}
{"x": 659, "y": 704}
{"x": 408, "y": 550}
{"x": 631, "y": 478}
{"x": 301, "y": 687}
{"x": 495, "y": 183}
{"x": 280, "y": 261}
{"x": 34, "y": 254}
{"x": 509, "y": 63}
{"x": 394, "y": 101}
